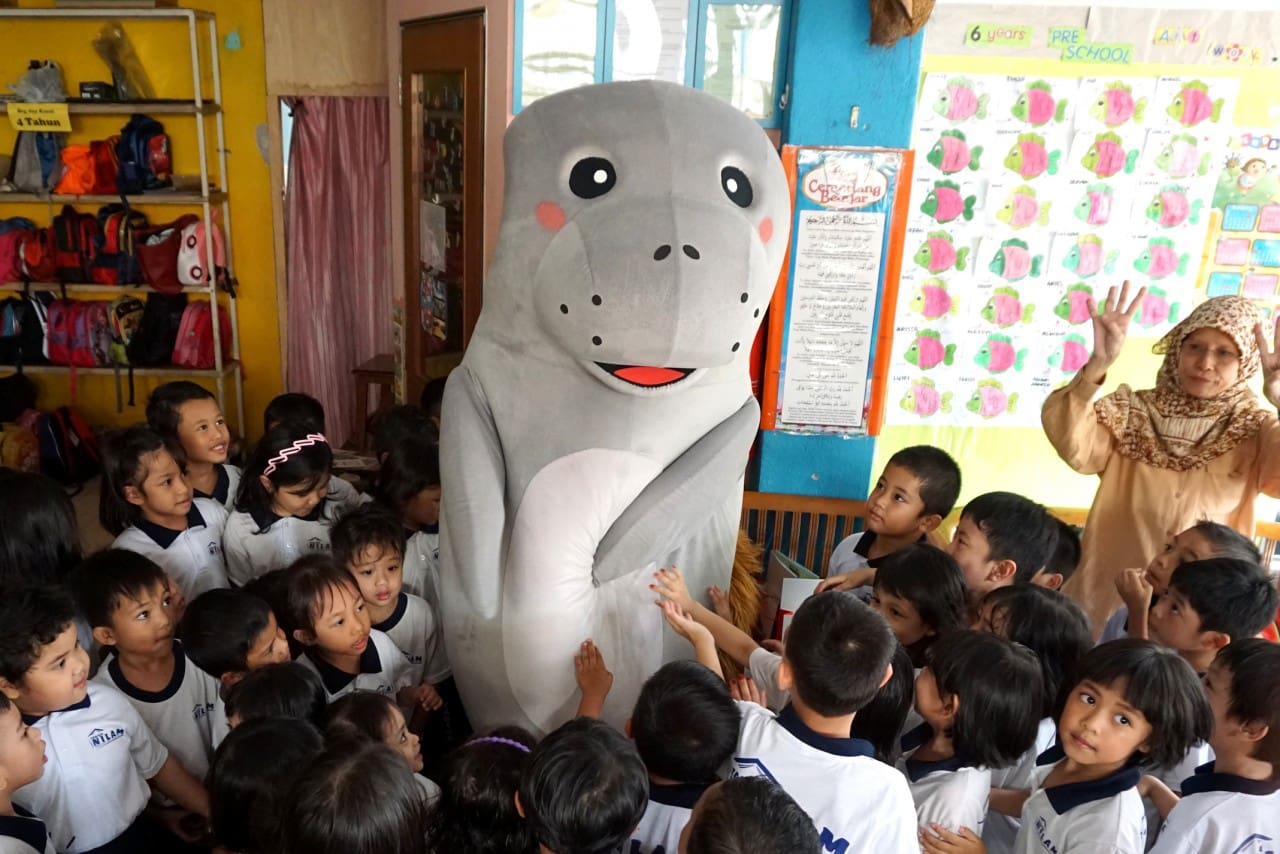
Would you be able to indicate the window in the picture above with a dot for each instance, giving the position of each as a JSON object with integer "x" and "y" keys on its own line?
{"x": 733, "y": 50}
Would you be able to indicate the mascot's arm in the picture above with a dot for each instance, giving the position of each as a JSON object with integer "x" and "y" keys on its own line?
{"x": 680, "y": 501}
{"x": 473, "y": 519}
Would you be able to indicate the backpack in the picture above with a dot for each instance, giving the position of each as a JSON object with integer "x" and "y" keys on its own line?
{"x": 143, "y": 153}
{"x": 193, "y": 255}
{"x": 77, "y": 171}
{"x": 124, "y": 314}
{"x": 11, "y": 311}
{"x": 19, "y": 448}
{"x": 157, "y": 249}
{"x": 37, "y": 162}
{"x": 194, "y": 347}
{"x": 61, "y": 332}
{"x": 106, "y": 165}
{"x": 11, "y": 234}
{"x": 91, "y": 335}
{"x": 75, "y": 241}
{"x": 157, "y": 332}
{"x": 116, "y": 259}
{"x": 36, "y": 251}
{"x": 68, "y": 450}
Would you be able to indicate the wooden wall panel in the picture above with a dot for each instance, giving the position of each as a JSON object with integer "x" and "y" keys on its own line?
{"x": 330, "y": 47}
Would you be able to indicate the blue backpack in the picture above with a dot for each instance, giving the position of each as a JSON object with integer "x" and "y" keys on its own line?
{"x": 143, "y": 153}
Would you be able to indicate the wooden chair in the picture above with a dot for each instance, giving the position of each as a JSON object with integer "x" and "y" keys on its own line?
{"x": 804, "y": 528}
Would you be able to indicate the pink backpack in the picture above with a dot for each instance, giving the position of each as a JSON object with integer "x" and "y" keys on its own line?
{"x": 193, "y": 255}
{"x": 91, "y": 335}
{"x": 62, "y": 319}
{"x": 194, "y": 348}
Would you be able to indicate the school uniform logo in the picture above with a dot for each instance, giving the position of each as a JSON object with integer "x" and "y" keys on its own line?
{"x": 100, "y": 737}
{"x": 201, "y": 710}
{"x": 1257, "y": 843}
{"x": 1045, "y": 841}
{"x": 214, "y": 548}
{"x": 316, "y": 544}
{"x": 746, "y": 766}
{"x": 830, "y": 843}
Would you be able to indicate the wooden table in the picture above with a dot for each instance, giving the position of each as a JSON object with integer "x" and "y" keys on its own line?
{"x": 379, "y": 371}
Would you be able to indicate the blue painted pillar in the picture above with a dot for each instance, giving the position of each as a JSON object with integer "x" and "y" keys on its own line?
{"x": 834, "y": 69}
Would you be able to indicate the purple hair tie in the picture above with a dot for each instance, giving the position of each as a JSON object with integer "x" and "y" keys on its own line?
{"x": 497, "y": 739}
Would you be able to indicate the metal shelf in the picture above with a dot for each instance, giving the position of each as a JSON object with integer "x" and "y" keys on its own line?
{"x": 228, "y": 367}
{"x": 87, "y": 288}
{"x": 162, "y": 197}
{"x": 125, "y": 108}
{"x": 101, "y": 12}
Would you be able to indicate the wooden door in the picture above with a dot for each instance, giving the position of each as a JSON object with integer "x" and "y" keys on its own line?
{"x": 442, "y": 107}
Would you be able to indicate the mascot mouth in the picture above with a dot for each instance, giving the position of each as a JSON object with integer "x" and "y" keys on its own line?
{"x": 645, "y": 376}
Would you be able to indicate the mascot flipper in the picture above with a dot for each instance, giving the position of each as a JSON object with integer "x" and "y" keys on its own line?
{"x": 599, "y": 423}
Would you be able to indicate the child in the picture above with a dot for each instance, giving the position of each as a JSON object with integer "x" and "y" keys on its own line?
{"x": 366, "y": 716}
{"x": 916, "y": 490}
{"x": 40, "y": 537}
{"x": 748, "y": 815}
{"x": 477, "y": 811}
{"x": 327, "y": 615}
{"x": 432, "y": 399}
{"x": 1234, "y": 801}
{"x": 294, "y": 407}
{"x": 189, "y": 419}
{"x": 836, "y": 658}
{"x": 584, "y": 789}
{"x": 94, "y": 786}
{"x": 401, "y": 423}
{"x": 881, "y": 721}
{"x": 147, "y": 504}
{"x": 980, "y": 698}
{"x": 285, "y": 690}
{"x": 1066, "y": 557}
{"x": 286, "y": 504}
{"x": 253, "y": 770}
{"x": 1002, "y": 539}
{"x": 920, "y": 592}
{"x": 408, "y": 485}
{"x": 21, "y": 762}
{"x": 228, "y": 633}
{"x": 123, "y": 595}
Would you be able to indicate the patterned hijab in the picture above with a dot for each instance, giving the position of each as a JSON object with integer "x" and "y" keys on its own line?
{"x": 1167, "y": 428}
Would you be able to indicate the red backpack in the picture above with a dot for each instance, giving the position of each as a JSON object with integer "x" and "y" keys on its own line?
{"x": 91, "y": 335}
{"x": 116, "y": 261}
{"x": 37, "y": 252}
{"x": 106, "y": 165}
{"x": 62, "y": 319}
{"x": 12, "y": 230}
{"x": 76, "y": 237}
{"x": 194, "y": 347}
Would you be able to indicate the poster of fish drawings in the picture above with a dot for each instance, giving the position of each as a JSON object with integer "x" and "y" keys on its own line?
{"x": 1030, "y": 196}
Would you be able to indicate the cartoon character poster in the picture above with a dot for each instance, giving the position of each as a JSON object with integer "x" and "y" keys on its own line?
{"x": 1244, "y": 248}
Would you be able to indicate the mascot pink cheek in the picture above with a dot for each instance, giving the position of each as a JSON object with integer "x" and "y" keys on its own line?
{"x": 766, "y": 230}
{"x": 550, "y": 216}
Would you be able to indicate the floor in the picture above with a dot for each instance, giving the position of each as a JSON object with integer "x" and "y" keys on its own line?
{"x": 92, "y": 535}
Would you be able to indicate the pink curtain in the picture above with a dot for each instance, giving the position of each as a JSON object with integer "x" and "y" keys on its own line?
{"x": 339, "y": 249}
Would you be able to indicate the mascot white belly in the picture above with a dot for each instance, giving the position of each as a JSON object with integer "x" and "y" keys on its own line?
{"x": 600, "y": 420}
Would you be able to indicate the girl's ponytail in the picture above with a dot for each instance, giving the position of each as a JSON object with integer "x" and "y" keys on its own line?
{"x": 122, "y": 466}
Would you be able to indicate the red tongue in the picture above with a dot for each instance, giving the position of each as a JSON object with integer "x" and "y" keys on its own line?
{"x": 641, "y": 375}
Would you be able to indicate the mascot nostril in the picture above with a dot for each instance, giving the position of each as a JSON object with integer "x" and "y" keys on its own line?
{"x": 690, "y": 251}
{"x": 661, "y": 253}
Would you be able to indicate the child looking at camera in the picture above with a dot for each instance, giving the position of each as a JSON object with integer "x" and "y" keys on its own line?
{"x": 188, "y": 418}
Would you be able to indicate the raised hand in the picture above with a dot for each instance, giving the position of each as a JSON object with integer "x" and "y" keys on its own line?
{"x": 593, "y": 677}
{"x": 1270, "y": 359}
{"x": 669, "y": 584}
{"x": 1110, "y": 328}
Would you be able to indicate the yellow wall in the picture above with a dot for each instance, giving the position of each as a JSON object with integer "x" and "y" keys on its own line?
{"x": 162, "y": 47}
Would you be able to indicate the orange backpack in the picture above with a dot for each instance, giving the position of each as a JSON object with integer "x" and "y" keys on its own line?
{"x": 77, "y": 171}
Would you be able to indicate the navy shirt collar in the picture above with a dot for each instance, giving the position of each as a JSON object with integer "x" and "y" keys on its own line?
{"x": 918, "y": 769}
{"x": 334, "y": 679}
{"x": 129, "y": 689}
{"x": 402, "y": 605}
{"x": 790, "y": 721}
{"x": 863, "y": 547}
{"x": 677, "y": 794}
{"x": 264, "y": 518}
{"x": 1207, "y": 780}
{"x": 1071, "y": 795}
{"x": 221, "y": 488}
{"x": 29, "y": 720}
{"x": 24, "y": 827}
{"x": 165, "y": 537}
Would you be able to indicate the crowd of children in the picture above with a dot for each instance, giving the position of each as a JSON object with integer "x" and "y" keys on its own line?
{"x": 256, "y": 665}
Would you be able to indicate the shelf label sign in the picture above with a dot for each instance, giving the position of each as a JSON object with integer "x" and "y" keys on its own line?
{"x": 39, "y": 117}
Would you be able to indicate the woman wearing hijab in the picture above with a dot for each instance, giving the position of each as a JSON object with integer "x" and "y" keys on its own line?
{"x": 1197, "y": 446}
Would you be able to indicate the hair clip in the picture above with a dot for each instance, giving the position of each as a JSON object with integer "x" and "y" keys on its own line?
{"x": 497, "y": 739}
{"x": 298, "y": 444}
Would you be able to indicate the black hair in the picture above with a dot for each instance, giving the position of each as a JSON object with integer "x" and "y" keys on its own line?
{"x": 219, "y": 629}
{"x": 1157, "y": 682}
{"x": 164, "y": 411}
{"x": 751, "y": 815}
{"x": 1049, "y": 624}
{"x": 1066, "y": 551}
{"x": 999, "y": 687}
{"x": 410, "y": 467}
{"x": 1227, "y": 542}
{"x": 1016, "y": 528}
{"x": 838, "y": 650}
{"x": 369, "y": 525}
{"x": 1231, "y": 596}
{"x": 296, "y": 408}
{"x": 110, "y": 576}
{"x": 33, "y": 616}
{"x": 289, "y": 689}
{"x": 311, "y": 580}
{"x": 1254, "y": 664}
{"x": 685, "y": 723}
{"x": 360, "y": 715}
{"x": 938, "y": 473}
{"x": 40, "y": 537}
{"x": 476, "y": 812}
{"x": 273, "y": 588}
{"x": 5, "y": 705}
{"x": 123, "y": 464}
{"x": 253, "y": 768}
{"x": 880, "y": 721}
{"x": 398, "y": 424}
{"x": 931, "y": 580}
{"x": 355, "y": 799}
{"x": 584, "y": 789}
{"x": 311, "y": 464}
{"x": 432, "y": 397}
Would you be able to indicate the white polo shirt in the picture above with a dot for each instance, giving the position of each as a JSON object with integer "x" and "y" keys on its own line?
{"x": 1222, "y": 812}
{"x": 191, "y": 557}
{"x": 951, "y": 793}
{"x": 856, "y": 802}
{"x": 1098, "y": 817}
{"x": 224, "y": 491}
{"x": 1000, "y": 831}
{"x": 382, "y": 669}
{"x": 100, "y": 756}
{"x": 762, "y": 667}
{"x": 412, "y": 627}
{"x": 664, "y": 818}
{"x": 23, "y": 833}
{"x": 422, "y": 565}
{"x": 185, "y": 715}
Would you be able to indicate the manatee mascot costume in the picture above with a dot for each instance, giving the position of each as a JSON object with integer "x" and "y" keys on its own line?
{"x": 600, "y": 421}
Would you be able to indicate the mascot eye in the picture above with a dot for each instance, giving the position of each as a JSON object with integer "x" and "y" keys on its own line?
{"x": 736, "y": 186}
{"x": 592, "y": 177}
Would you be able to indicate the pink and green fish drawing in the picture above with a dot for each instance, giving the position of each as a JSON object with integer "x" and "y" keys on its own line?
{"x": 1086, "y": 258}
{"x": 945, "y": 203}
{"x": 998, "y": 355}
{"x": 1160, "y": 259}
{"x": 1170, "y": 207}
{"x": 1074, "y": 305}
{"x": 932, "y": 300}
{"x": 1115, "y": 105}
{"x": 951, "y": 153}
{"x": 1192, "y": 105}
{"x": 1022, "y": 208}
{"x": 938, "y": 254}
{"x": 959, "y": 102}
{"x": 1005, "y": 308}
{"x": 1037, "y": 107}
{"x": 1181, "y": 158}
{"x": 1107, "y": 157}
{"x": 927, "y": 350}
{"x": 1013, "y": 261}
{"x": 1071, "y": 355}
{"x": 1029, "y": 158}
{"x": 1094, "y": 206}
{"x": 1156, "y": 309}
{"x": 990, "y": 400}
{"x": 923, "y": 399}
